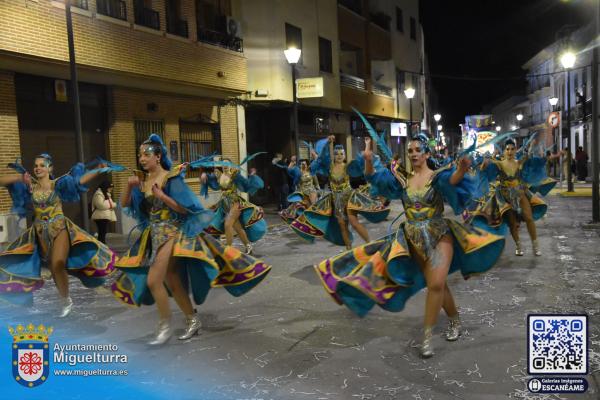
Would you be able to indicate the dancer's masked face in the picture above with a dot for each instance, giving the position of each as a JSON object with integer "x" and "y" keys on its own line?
{"x": 42, "y": 168}
{"x": 229, "y": 170}
{"x": 149, "y": 157}
{"x": 417, "y": 154}
{"x": 339, "y": 155}
{"x": 509, "y": 151}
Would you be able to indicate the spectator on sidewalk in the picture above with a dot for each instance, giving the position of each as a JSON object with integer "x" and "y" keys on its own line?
{"x": 280, "y": 181}
{"x": 103, "y": 209}
{"x": 581, "y": 160}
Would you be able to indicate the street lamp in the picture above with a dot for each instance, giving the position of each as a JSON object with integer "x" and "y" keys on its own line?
{"x": 410, "y": 93}
{"x": 498, "y": 128}
{"x": 553, "y": 102}
{"x": 568, "y": 61}
{"x": 437, "y": 118}
{"x": 519, "y": 117}
{"x": 513, "y": 128}
{"x": 292, "y": 56}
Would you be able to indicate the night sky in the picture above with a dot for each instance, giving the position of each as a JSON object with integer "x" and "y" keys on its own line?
{"x": 488, "y": 39}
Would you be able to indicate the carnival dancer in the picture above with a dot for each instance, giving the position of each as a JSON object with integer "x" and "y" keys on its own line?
{"x": 53, "y": 239}
{"x": 511, "y": 197}
{"x": 232, "y": 211}
{"x": 307, "y": 190}
{"x": 424, "y": 249}
{"x": 330, "y": 215}
{"x": 172, "y": 248}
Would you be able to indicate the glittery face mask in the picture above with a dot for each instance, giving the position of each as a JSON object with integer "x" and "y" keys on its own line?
{"x": 150, "y": 149}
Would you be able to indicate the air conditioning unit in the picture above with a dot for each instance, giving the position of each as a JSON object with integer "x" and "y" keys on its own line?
{"x": 233, "y": 27}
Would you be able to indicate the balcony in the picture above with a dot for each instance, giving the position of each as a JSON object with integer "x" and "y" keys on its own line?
{"x": 352, "y": 82}
{"x": 382, "y": 90}
{"x": 176, "y": 26}
{"x": 381, "y": 20}
{"x": 147, "y": 17}
{"x": 83, "y": 4}
{"x": 220, "y": 39}
{"x": 112, "y": 8}
{"x": 353, "y": 5}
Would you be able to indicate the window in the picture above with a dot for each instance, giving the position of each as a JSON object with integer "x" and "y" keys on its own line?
{"x": 399, "y": 20}
{"x": 143, "y": 128}
{"x": 413, "y": 28}
{"x": 325, "y": 55}
{"x": 293, "y": 38}
{"x": 198, "y": 139}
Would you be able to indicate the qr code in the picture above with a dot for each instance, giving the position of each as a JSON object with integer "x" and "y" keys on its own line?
{"x": 557, "y": 344}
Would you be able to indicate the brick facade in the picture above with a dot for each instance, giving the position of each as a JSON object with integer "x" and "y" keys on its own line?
{"x": 130, "y": 104}
{"x": 9, "y": 132}
{"x": 37, "y": 29}
{"x": 182, "y": 76}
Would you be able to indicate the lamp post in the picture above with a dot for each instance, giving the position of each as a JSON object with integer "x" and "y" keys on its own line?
{"x": 437, "y": 118}
{"x": 568, "y": 61}
{"x": 410, "y": 93}
{"x": 553, "y": 102}
{"x": 76, "y": 108}
{"x": 595, "y": 131}
{"x": 292, "y": 56}
{"x": 518, "y": 126}
{"x": 498, "y": 128}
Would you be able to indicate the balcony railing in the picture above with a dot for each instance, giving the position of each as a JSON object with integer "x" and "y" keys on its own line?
{"x": 112, "y": 8}
{"x": 381, "y": 20}
{"x": 220, "y": 39}
{"x": 177, "y": 27}
{"x": 147, "y": 17}
{"x": 80, "y": 4}
{"x": 352, "y": 81}
{"x": 354, "y": 5}
{"x": 381, "y": 89}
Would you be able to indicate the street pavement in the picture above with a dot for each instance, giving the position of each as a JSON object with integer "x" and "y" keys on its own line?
{"x": 287, "y": 339}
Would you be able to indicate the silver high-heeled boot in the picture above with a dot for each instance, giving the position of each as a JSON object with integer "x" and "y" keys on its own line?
{"x": 249, "y": 249}
{"x": 66, "y": 307}
{"x": 193, "y": 324}
{"x": 163, "y": 333}
{"x": 518, "y": 251}
{"x": 453, "y": 331}
{"x": 427, "y": 346}
{"x": 536, "y": 248}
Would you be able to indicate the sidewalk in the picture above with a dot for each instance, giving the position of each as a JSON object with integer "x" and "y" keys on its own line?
{"x": 580, "y": 189}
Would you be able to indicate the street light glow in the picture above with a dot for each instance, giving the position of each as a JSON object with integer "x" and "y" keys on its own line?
{"x": 568, "y": 59}
{"x": 292, "y": 55}
{"x": 409, "y": 93}
{"x": 553, "y": 101}
{"x": 498, "y": 128}
{"x": 437, "y": 117}
{"x": 513, "y": 128}
{"x": 439, "y": 127}
{"x": 519, "y": 117}
{"x": 442, "y": 135}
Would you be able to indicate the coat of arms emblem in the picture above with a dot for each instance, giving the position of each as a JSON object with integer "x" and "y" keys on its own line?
{"x": 30, "y": 354}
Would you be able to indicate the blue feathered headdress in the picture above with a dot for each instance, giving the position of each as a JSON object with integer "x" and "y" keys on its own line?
{"x": 424, "y": 139}
{"x": 155, "y": 140}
